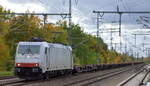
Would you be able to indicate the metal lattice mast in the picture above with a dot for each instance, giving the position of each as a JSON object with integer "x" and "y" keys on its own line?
{"x": 70, "y": 21}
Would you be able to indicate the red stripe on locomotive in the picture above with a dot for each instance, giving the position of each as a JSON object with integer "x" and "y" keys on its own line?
{"x": 27, "y": 64}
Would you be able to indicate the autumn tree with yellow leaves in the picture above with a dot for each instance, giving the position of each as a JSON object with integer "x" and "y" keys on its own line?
{"x": 14, "y": 29}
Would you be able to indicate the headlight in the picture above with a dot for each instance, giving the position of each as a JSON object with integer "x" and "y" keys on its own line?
{"x": 36, "y": 65}
{"x": 18, "y": 65}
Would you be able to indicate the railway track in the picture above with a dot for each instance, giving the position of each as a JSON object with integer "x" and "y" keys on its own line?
{"x": 92, "y": 80}
{"x": 25, "y": 82}
{"x": 5, "y": 82}
{"x": 76, "y": 83}
{"x": 7, "y": 77}
{"x": 20, "y": 83}
{"x": 143, "y": 80}
{"x": 136, "y": 79}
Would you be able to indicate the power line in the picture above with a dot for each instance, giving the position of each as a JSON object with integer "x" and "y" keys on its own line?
{"x": 48, "y": 5}
{"x": 76, "y": 2}
{"x": 123, "y": 12}
{"x": 120, "y": 14}
{"x": 50, "y": 14}
{"x": 69, "y": 14}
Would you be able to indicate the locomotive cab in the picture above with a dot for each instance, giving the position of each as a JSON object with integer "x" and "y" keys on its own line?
{"x": 28, "y": 62}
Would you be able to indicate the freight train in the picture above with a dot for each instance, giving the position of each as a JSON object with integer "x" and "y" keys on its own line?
{"x": 45, "y": 60}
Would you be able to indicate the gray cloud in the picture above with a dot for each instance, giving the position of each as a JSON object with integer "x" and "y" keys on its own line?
{"x": 82, "y": 12}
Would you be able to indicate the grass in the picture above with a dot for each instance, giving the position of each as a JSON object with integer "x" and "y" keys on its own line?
{"x": 147, "y": 62}
{"x": 6, "y": 73}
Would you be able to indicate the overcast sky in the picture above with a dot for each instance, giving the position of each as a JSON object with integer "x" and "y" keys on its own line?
{"x": 82, "y": 15}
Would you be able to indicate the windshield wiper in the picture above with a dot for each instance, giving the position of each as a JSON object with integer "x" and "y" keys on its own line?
{"x": 22, "y": 53}
{"x": 30, "y": 51}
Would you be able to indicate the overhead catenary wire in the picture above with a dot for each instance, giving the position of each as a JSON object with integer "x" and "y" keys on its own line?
{"x": 63, "y": 15}
{"x": 76, "y": 2}
{"x": 64, "y": 2}
{"x": 48, "y": 6}
{"x": 61, "y": 10}
{"x": 127, "y": 8}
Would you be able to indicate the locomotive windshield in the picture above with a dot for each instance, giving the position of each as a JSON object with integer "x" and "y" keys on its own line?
{"x": 29, "y": 49}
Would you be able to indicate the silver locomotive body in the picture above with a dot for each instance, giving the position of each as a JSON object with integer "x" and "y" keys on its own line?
{"x": 42, "y": 59}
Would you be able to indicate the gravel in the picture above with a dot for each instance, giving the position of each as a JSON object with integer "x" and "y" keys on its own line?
{"x": 62, "y": 81}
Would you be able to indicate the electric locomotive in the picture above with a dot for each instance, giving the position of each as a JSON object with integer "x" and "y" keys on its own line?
{"x": 42, "y": 59}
